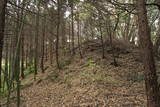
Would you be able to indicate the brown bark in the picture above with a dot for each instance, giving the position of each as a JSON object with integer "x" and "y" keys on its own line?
{"x": 153, "y": 99}
{"x": 57, "y": 36}
{"x": 78, "y": 34}
{"x": 72, "y": 14}
{"x": 2, "y": 27}
{"x": 51, "y": 51}
{"x": 111, "y": 39}
{"x": 101, "y": 35}
{"x": 22, "y": 41}
{"x": 22, "y": 58}
{"x": 69, "y": 37}
{"x": 36, "y": 42}
{"x": 43, "y": 45}
{"x": 62, "y": 25}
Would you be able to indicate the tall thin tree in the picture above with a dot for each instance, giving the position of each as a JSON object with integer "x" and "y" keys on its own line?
{"x": 72, "y": 17}
{"x": 57, "y": 36}
{"x": 3, "y": 4}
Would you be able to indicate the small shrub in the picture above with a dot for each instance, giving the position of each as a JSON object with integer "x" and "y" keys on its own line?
{"x": 29, "y": 70}
{"x": 91, "y": 63}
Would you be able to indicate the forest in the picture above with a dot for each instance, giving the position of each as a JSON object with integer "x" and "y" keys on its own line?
{"x": 79, "y": 53}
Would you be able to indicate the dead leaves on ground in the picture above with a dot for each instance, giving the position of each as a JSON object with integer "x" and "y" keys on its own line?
{"x": 90, "y": 82}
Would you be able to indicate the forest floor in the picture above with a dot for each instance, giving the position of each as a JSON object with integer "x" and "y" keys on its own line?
{"x": 88, "y": 82}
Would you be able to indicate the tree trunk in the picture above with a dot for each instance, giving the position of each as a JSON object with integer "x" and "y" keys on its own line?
{"x": 2, "y": 27}
{"x": 43, "y": 44}
{"x": 22, "y": 57}
{"x": 101, "y": 35}
{"x": 69, "y": 37}
{"x": 22, "y": 41}
{"x": 63, "y": 25}
{"x": 78, "y": 34}
{"x": 109, "y": 30}
{"x": 36, "y": 41}
{"x": 153, "y": 99}
{"x": 72, "y": 14}
{"x": 57, "y": 36}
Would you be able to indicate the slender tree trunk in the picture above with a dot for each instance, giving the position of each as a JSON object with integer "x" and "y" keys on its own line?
{"x": 57, "y": 36}
{"x": 36, "y": 41}
{"x": 2, "y": 27}
{"x": 101, "y": 35}
{"x": 111, "y": 39}
{"x": 127, "y": 28}
{"x": 51, "y": 51}
{"x": 22, "y": 57}
{"x": 46, "y": 50}
{"x": 5, "y": 80}
{"x": 91, "y": 27}
{"x": 102, "y": 42}
{"x": 30, "y": 56}
{"x": 43, "y": 45}
{"x": 62, "y": 25}
{"x": 26, "y": 56}
{"x": 6, "y": 67}
{"x": 78, "y": 34}
{"x": 22, "y": 41}
{"x": 113, "y": 50}
{"x": 69, "y": 37}
{"x": 72, "y": 15}
{"x": 152, "y": 91}
{"x": 16, "y": 63}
